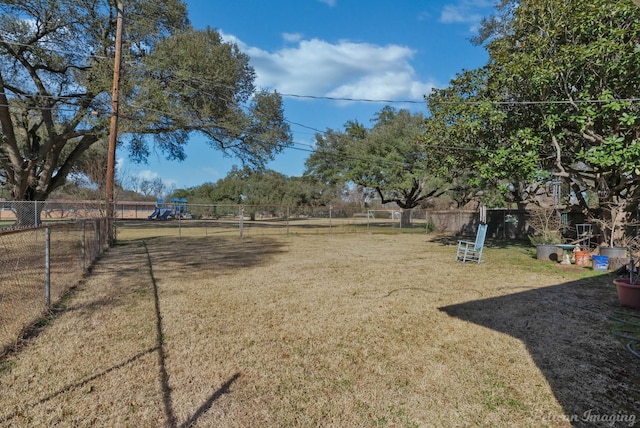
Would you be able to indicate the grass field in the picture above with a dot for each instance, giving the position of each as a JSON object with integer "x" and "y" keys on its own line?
{"x": 339, "y": 330}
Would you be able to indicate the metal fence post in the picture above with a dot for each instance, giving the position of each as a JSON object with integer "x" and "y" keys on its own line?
{"x": 47, "y": 265}
{"x": 84, "y": 245}
{"x": 241, "y": 220}
{"x": 330, "y": 209}
{"x": 97, "y": 242}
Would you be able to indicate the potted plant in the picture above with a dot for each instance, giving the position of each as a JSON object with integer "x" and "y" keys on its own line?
{"x": 613, "y": 222}
{"x": 616, "y": 248}
{"x": 628, "y": 293}
{"x": 546, "y": 225}
{"x": 628, "y": 286}
{"x": 614, "y": 252}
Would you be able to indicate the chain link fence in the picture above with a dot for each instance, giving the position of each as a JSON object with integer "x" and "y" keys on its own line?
{"x": 22, "y": 214}
{"x": 38, "y": 265}
{"x": 177, "y": 216}
{"x": 247, "y": 220}
{"x": 509, "y": 224}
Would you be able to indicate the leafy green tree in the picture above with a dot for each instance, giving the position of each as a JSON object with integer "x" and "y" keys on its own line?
{"x": 556, "y": 101}
{"x": 261, "y": 191}
{"x": 389, "y": 158}
{"x": 261, "y": 188}
{"x": 56, "y": 78}
{"x": 569, "y": 72}
{"x": 309, "y": 191}
{"x": 467, "y": 130}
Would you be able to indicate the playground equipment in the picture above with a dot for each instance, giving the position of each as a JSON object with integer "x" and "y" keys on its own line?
{"x": 180, "y": 208}
{"x": 177, "y": 208}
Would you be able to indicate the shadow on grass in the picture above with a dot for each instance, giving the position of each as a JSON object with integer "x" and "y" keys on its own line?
{"x": 164, "y": 375}
{"x": 447, "y": 240}
{"x": 224, "y": 389}
{"x": 282, "y": 226}
{"x": 80, "y": 384}
{"x": 201, "y": 253}
{"x": 211, "y": 253}
{"x": 566, "y": 329}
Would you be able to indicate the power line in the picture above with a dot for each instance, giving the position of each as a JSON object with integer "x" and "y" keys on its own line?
{"x": 199, "y": 79}
{"x": 304, "y": 126}
{"x": 55, "y": 50}
{"x": 359, "y": 100}
{"x": 345, "y": 99}
{"x": 540, "y": 102}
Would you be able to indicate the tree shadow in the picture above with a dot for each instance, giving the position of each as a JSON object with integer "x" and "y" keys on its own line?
{"x": 80, "y": 384}
{"x": 567, "y": 333}
{"x": 224, "y": 389}
{"x": 162, "y": 367}
{"x": 449, "y": 240}
{"x": 212, "y": 253}
{"x": 201, "y": 253}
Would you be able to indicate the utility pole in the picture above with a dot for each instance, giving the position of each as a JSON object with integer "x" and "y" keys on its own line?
{"x": 113, "y": 129}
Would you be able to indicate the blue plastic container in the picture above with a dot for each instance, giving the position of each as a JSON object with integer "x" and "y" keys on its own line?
{"x": 600, "y": 262}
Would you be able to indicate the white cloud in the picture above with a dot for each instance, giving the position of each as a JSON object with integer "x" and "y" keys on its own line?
{"x": 464, "y": 12}
{"x": 120, "y": 162}
{"x": 385, "y": 86}
{"x": 292, "y": 37}
{"x": 424, "y": 16}
{"x": 344, "y": 69}
{"x": 147, "y": 175}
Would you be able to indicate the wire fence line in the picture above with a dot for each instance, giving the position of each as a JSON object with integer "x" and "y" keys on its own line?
{"x": 38, "y": 265}
{"x": 203, "y": 219}
{"x": 245, "y": 220}
{"x": 47, "y": 247}
{"x": 179, "y": 215}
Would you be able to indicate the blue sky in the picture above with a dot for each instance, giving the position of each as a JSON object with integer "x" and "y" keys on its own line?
{"x": 342, "y": 49}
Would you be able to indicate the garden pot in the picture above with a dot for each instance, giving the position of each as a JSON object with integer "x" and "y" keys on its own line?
{"x": 617, "y": 256}
{"x": 628, "y": 294}
{"x": 614, "y": 252}
{"x": 582, "y": 258}
{"x": 600, "y": 262}
{"x": 548, "y": 252}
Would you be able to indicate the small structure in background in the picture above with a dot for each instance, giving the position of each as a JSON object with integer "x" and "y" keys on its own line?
{"x": 177, "y": 209}
{"x": 584, "y": 235}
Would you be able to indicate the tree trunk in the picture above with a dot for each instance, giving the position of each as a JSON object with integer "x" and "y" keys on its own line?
{"x": 405, "y": 219}
{"x": 28, "y": 213}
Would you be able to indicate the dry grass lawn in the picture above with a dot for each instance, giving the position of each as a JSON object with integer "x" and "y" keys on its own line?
{"x": 355, "y": 330}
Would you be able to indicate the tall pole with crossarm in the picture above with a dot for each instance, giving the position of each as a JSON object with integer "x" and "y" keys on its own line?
{"x": 113, "y": 129}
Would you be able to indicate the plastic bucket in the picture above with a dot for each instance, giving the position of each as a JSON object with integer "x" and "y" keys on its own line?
{"x": 582, "y": 258}
{"x": 600, "y": 262}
